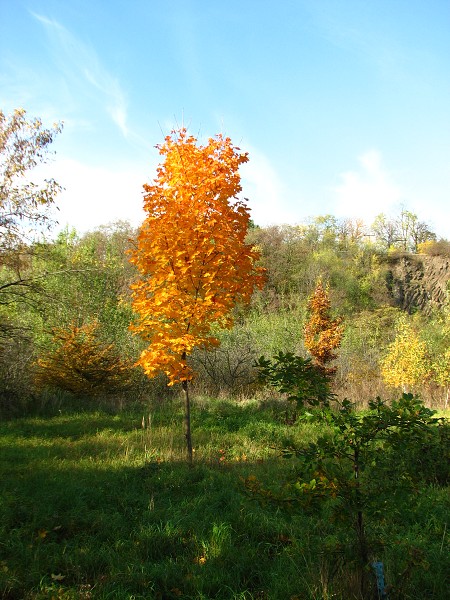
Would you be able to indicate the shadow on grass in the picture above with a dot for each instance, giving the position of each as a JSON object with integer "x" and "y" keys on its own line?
{"x": 232, "y": 417}
{"x": 159, "y": 528}
{"x": 67, "y": 426}
{"x": 77, "y": 518}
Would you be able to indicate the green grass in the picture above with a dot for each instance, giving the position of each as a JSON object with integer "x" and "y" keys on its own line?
{"x": 104, "y": 506}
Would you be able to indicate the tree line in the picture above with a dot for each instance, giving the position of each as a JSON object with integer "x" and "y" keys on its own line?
{"x": 66, "y": 301}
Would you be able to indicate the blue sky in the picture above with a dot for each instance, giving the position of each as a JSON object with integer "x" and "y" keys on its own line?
{"x": 343, "y": 105}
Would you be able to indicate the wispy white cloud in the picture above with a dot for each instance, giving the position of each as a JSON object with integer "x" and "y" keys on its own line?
{"x": 82, "y": 71}
{"x": 368, "y": 191}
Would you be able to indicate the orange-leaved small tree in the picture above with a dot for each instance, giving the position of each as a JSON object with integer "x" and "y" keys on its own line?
{"x": 191, "y": 254}
{"x": 322, "y": 333}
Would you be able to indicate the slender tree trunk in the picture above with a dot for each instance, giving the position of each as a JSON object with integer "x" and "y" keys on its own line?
{"x": 363, "y": 551}
{"x": 360, "y": 531}
{"x": 187, "y": 420}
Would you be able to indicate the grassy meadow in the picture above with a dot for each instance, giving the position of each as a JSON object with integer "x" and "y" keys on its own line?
{"x": 102, "y": 505}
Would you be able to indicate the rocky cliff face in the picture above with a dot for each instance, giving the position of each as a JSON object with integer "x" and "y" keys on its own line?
{"x": 418, "y": 281}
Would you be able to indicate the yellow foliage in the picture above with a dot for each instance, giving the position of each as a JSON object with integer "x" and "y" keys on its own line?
{"x": 81, "y": 363}
{"x": 191, "y": 252}
{"x": 406, "y": 362}
{"x": 441, "y": 369}
{"x": 425, "y": 247}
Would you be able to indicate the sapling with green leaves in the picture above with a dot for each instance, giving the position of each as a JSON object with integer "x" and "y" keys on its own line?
{"x": 302, "y": 381}
{"x": 355, "y": 469}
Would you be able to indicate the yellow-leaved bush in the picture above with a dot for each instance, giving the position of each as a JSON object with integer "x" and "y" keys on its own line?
{"x": 194, "y": 263}
{"x": 81, "y": 362}
{"x": 406, "y": 363}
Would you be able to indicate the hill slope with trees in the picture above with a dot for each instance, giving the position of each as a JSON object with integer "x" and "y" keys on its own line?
{"x": 56, "y": 289}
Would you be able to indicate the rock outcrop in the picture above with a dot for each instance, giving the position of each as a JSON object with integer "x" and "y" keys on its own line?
{"x": 418, "y": 281}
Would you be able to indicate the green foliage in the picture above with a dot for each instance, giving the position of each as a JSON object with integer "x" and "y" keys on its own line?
{"x": 302, "y": 381}
{"x": 295, "y": 256}
{"x": 89, "y": 279}
{"x": 76, "y": 279}
{"x": 25, "y": 212}
{"x": 366, "y": 335}
{"x": 366, "y": 465}
{"x": 273, "y": 331}
{"x": 230, "y": 368}
{"x": 16, "y": 357}
{"x": 404, "y": 232}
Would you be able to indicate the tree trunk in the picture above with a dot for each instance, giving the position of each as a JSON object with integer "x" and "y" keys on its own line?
{"x": 187, "y": 420}
{"x": 363, "y": 551}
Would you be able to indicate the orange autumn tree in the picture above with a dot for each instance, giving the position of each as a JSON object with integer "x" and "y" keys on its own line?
{"x": 322, "y": 333}
{"x": 191, "y": 254}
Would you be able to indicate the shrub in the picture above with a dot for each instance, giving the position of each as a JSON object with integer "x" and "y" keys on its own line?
{"x": 80, "y": 362}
